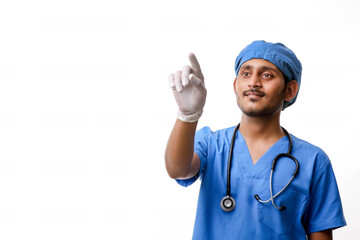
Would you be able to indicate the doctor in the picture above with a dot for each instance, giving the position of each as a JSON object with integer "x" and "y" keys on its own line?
{"x": 268, "y": 77}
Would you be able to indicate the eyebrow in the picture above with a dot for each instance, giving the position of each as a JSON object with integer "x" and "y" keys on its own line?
{"x": 262, "y": 68}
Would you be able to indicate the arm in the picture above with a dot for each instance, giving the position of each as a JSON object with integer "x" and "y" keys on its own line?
{"x": 190, "y": 94}
{"x": 180, "y": 159}
{"x": 322, "y": 235}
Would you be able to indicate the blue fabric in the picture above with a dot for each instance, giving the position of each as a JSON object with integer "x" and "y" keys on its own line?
{"x": 312, "y": 200}
{"x": 276, "y": 53}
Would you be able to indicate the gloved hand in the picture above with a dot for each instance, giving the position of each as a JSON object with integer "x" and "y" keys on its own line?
{"x": 189, "y": 90}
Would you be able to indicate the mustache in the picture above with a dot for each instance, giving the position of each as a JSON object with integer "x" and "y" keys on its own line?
{"x": 253, "y": 90}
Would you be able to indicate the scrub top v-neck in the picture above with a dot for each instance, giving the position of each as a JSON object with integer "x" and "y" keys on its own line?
{"x": 243, "y": 158}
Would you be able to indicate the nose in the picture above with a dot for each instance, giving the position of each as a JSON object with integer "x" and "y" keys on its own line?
{"x": 255, "y": 81}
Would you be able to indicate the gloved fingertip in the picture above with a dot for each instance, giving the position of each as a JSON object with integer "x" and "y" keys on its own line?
{"x": 179, "y": 87}
{"x": 185, "y": 80}
{"x": 171, "y": 80}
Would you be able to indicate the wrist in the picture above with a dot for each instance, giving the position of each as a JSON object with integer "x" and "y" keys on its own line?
{"x": 189, "y": 117}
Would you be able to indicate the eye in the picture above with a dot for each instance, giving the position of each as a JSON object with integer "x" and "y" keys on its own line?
{"x": 245, "y": 74}
{"x": 267, "y": 75}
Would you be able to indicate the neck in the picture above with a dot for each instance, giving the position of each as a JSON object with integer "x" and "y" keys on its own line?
{"x": 261, "y": 128}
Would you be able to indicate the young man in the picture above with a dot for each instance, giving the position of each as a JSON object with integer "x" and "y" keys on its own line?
{"x": 276, "y": 186}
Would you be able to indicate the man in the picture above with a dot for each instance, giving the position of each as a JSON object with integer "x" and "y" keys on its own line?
{"x": 250, "y": 198}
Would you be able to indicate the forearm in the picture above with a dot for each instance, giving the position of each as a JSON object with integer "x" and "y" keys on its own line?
{"x": 322, "y": 235}
{"x": 180, "y": 149}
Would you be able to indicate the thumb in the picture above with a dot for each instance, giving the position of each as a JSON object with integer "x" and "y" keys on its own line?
{"x": 197, "y": 83}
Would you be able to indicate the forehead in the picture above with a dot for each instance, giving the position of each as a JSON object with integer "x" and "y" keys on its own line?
{"x": 257, "y": 63}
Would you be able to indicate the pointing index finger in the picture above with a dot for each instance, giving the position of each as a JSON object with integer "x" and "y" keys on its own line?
{"x": 194, "y": 63}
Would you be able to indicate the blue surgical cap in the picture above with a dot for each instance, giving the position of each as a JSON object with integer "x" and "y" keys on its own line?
{"x": 276, "y": 53}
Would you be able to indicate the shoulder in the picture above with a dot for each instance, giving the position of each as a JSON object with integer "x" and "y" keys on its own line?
{"x": 305, "y": 145}
{"x": 217, "y": 134}
{"x": 218, "y": 140}
{"x": 309, "y": 154}
{"x": 219, "y": 131}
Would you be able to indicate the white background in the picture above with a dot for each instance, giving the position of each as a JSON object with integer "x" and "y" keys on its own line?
{"x": 86, "y": 110}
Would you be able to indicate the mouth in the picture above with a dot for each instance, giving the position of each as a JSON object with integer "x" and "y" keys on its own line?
{"x": 254, "y": 93}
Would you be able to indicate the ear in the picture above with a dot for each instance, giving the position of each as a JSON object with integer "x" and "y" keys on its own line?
{"x": 235, "y": 85}
{"x": 291, "y": 90}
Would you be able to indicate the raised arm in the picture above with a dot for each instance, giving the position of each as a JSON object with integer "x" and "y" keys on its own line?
{"x": 190, "y": 95}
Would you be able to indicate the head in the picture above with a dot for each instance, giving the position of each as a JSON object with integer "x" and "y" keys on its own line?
{"x": 267, "y": 79}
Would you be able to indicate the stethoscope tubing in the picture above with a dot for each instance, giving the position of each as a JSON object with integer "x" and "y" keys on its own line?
{"x": 229, "y": 160}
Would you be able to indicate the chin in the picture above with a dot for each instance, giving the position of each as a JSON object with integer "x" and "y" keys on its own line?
{"x": 260, "y": 112}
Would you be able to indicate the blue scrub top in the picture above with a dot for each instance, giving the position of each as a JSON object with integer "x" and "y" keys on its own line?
{"x": 312, "y": 199}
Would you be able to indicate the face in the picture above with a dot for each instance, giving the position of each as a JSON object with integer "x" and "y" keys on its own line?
{"x": 260, "y": 88}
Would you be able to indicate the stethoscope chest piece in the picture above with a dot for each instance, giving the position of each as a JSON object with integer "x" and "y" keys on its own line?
{"x": 227, "y": 204}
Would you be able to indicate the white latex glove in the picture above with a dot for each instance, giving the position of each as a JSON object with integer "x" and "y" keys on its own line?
{"x": 189, "y": 90}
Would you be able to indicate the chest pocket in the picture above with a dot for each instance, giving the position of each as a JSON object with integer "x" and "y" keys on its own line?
{"x": 283, "y": 221}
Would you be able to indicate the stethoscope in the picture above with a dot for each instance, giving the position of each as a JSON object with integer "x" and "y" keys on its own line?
{"x": 228, "y": 203}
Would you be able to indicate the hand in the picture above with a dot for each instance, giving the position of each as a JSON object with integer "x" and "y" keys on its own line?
{"x": 189, "y": 90}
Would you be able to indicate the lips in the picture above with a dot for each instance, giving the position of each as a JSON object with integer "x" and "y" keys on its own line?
{"x": 254, "y": 92}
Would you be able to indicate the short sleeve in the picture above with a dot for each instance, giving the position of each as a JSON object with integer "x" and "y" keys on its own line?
{"x": 201, "y": 144}
{"x": 324, "y": 210}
